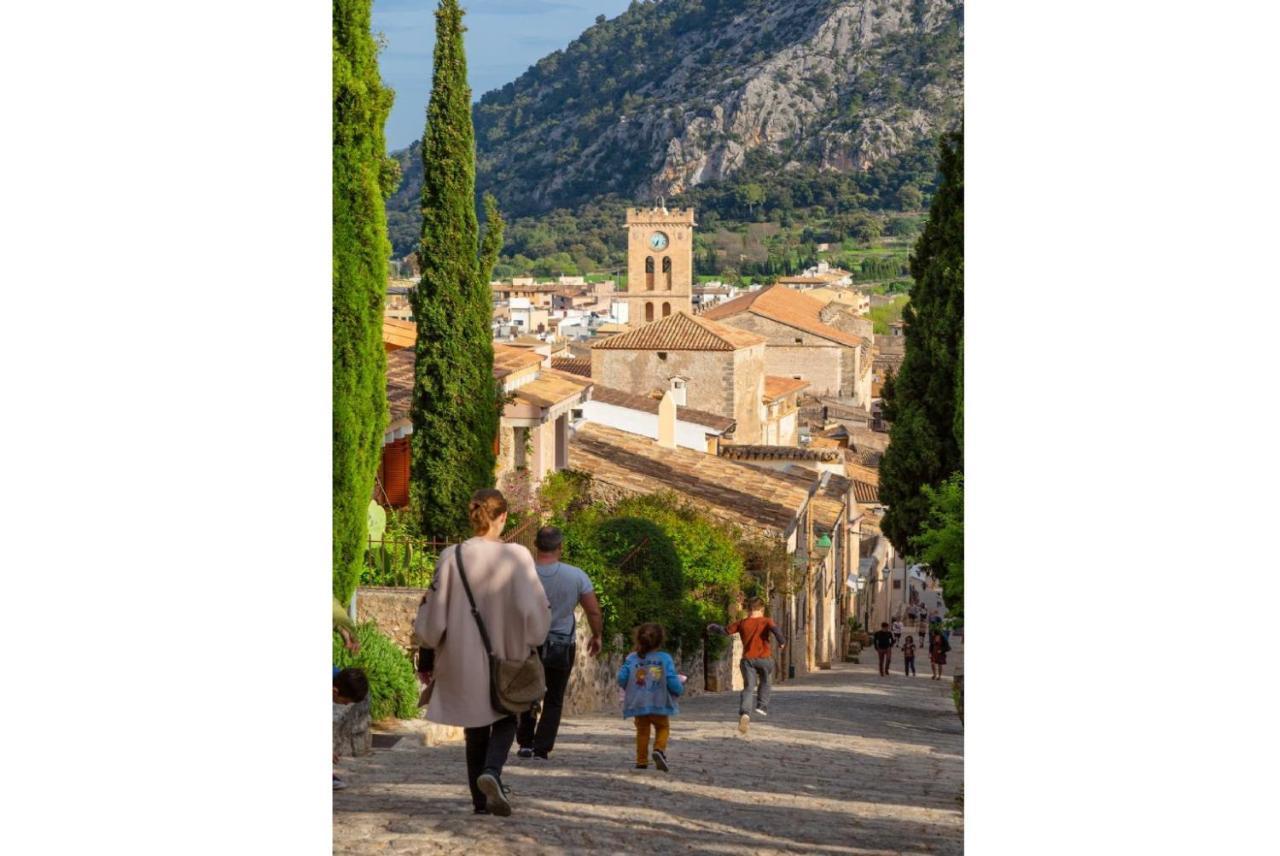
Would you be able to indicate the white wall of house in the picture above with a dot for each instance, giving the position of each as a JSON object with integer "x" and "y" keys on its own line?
{"x": 688, "y": 434}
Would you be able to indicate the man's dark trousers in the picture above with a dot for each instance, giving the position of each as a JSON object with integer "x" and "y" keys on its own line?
{"x": 538, "y": 731}
{"x": 884, "y": 654}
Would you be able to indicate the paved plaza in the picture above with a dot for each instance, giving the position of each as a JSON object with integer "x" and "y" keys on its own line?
{"x": 847, "y": 762}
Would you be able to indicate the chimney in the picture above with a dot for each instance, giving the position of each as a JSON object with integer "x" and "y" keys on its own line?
{"x": 667, "y": 421}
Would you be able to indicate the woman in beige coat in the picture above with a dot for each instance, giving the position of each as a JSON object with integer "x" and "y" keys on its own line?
{"x": 516, "y": 615}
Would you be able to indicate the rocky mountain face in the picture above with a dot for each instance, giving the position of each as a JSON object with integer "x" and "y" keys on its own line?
{"x": 674, "y": 94}
{"x": 677, "y": 94}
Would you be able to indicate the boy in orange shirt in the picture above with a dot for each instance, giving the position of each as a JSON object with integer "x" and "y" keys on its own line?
{"x": 757, "y": 660}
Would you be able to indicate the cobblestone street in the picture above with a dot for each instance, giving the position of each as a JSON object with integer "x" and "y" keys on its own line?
{"x": 847, "y": 762}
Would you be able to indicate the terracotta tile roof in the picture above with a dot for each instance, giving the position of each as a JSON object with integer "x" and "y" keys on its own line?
{"x": 864, "y": 439}
{"x": 551, "y": 387}
{"x": 782, "y": 304}
{"x": 867, "y": 494}
{"x": 748, "y": 452}
{"x": 737, "y": 493}
{"x": 682, "y": 332}
{"x": 827, "y": 502}
{"x": 399, "y": 334}
{"x": 869, "y": 458}
{"x": 648, "y": 404}
{"x": 507, "y": 359}
{"x": 855, "y": 469}
{"x": 776, "y": 387}
{"x": 573, "y": 365}
{"x": 399, "y": 383}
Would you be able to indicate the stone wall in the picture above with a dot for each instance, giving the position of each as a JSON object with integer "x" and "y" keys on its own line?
{"x": 747, "y": 383}
{"x": 826, "y": 365}
{"x": 709, "y": 373}
{"x": 392, "y": 609}
{"x": 592, "y": 686}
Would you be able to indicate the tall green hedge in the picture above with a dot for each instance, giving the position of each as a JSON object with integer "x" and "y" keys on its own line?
{"x": 456, "y": 401}
{"x": 362, "y": 178}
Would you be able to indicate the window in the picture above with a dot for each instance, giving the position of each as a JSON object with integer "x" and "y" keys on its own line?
{"x": 648, "y": 312}
{"x": 799, "y": 341}
{"x": 666, "y": 271}
{"x": 648, "y": 273}
{"x": 662, "y": 355}
{"x": 666, "y": 308}
{"x": 897, "y": 584}
{"x": 678, "y": 390}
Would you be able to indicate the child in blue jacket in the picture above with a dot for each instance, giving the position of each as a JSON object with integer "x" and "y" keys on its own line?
{"x": 650, "y": 680}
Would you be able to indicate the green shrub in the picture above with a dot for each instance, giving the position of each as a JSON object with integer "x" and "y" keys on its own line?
{"x": 400, "y": 563}
{"x": 393, "y": 687}
{"x": 398, "y": 557}
{"x": 652, "y": 558}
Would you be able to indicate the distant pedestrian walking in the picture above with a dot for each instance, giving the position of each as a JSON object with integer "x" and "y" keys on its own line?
{"x": 909, "y": 656}
{"x": 923, "y": 628}
{"x": 566, "y": 587}
{"x": 883, "y": 641}
{"x": 938, "y": 648}
{"x": 650, "y": 681}
{"x": 757, "y": 660}
{"x": 514, "y": 609}
{"x": 897, "y": 631}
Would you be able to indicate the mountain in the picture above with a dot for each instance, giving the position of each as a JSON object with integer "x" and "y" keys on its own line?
{"x": 678, "y": 98}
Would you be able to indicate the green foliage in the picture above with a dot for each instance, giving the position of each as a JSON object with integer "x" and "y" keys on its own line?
{"x": 924, "y": 446}
{"x": 399, "y": 563}
{"x": 456, "y": 402}
{"x": 940, "y": 543}
{"x": 654, "y": 559}
{"x": 393, "y": 687}
{"x": 882, "y": 316}
{"x": 362, "y": 176}
{"x": 909, "y": 197}
{"x": 561, "y": 492}
{"x": 399, "y": 556}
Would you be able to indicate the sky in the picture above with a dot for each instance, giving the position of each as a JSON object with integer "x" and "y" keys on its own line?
{"x": 503, "y": 38}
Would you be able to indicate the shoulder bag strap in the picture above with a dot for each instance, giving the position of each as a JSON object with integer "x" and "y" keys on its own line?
{"x": 484, "y": 635}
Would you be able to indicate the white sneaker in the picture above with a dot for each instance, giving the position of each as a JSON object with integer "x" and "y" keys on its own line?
{"x": 338, "y": 784}
{"x": 761, "y": 711}
{"x": 743, "y": 722}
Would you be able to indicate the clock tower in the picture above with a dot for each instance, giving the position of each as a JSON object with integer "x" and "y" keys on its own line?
{"x": 659, "y": 263}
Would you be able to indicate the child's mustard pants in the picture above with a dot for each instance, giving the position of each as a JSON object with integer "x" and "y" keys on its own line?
{"x": 662, "y": 728}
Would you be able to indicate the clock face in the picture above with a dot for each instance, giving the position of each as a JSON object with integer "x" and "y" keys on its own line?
{"x": 658, "y": 240}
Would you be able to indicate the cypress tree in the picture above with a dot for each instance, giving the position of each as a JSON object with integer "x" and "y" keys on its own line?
{"x": 363, "y": 177}
{"x": 456, "y": 402}
{"x": 925, "y": 441}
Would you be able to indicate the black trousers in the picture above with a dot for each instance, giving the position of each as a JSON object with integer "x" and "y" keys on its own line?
{"x": 487, "y": 748}
{"x": 538, "y": 731}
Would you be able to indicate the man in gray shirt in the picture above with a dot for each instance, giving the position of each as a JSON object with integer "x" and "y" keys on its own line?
{"x": 566, "y": 588}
